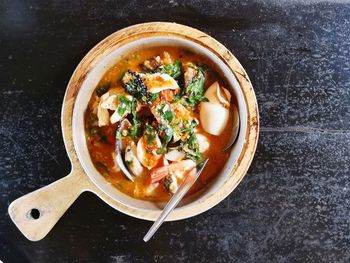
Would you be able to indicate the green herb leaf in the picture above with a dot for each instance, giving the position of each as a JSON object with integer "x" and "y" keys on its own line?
{"x": 191, "y": 148}
{"x": 135, "y": 130}
{"x": 190, "y": 128}
{"x": 155, "y": 96}
{"x": 195, "y": 89}
{"x": 150, "y": 133}
{"x": 124, "y": 105}
{"x": 168, "y": 115}
{"x": 174, "y": 70}
{"x": 168, "y": 135}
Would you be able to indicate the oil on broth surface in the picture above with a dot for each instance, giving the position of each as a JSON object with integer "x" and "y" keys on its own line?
{"x": 101, "y": 140}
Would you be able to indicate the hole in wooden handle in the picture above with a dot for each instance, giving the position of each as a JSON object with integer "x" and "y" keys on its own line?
{"x": 34, "y": 213}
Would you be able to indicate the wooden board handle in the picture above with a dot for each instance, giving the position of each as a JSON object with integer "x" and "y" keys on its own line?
{"x": 36, "y": 213}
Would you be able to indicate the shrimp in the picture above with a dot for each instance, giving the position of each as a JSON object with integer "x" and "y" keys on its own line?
{"x": 176, "y": 168}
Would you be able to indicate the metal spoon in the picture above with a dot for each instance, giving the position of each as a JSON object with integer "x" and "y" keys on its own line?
{"x": 190, "y": 180}
{"x": 179, "y": 194}
{"x": 235, "y": 128}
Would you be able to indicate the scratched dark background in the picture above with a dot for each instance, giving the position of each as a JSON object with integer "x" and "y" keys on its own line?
{"x": 294, "y": 203}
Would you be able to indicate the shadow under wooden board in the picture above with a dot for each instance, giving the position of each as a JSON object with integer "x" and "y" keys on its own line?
{"x": 36, "y": 213}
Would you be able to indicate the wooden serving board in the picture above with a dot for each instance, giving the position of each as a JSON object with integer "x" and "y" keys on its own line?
{"x": 51, "y": 202}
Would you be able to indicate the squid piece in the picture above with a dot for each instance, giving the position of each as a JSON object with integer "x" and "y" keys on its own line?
{"x": 115, "y": 117}
{"x": 214, "y": 114}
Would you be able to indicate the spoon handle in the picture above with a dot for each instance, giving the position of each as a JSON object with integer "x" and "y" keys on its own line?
{"x": 177, "y": 197}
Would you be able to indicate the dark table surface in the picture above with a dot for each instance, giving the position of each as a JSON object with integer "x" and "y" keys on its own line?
{"x": 294, "y": 203}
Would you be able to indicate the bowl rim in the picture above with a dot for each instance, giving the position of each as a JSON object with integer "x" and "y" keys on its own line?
{"x": 127, "y": 35}
{"x": 84, "y": 96}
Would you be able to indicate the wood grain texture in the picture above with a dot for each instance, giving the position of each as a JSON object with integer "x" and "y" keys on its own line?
{"x": 52, "y": 208}
{"x": 51, "y": 202}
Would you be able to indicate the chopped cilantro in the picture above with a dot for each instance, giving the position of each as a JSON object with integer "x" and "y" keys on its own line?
{"x": 135, "y": 130}
{"x": 191, "y": 148}
{"x": 150, "y": 133}
{"x": 190, "y": 128}
{"x": 124, "y": 105}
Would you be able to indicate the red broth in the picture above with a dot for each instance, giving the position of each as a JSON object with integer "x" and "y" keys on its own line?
{"x": 101, "y": 140}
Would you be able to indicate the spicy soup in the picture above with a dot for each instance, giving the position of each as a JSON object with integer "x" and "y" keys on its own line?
{"x": 169, "y": 109}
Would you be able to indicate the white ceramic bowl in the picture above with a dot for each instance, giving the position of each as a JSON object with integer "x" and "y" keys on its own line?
{"x": 90, "y": 84}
